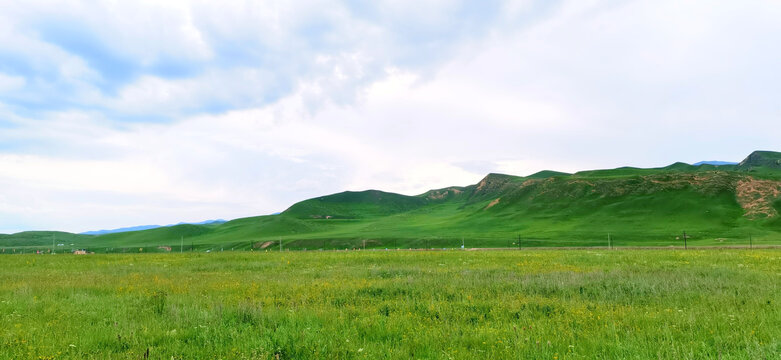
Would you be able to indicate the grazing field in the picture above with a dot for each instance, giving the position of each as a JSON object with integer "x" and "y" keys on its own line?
{"x": 558, "y": 304}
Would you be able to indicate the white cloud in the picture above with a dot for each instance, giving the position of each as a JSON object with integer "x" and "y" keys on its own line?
{"x": 11, "y": 83}
{"x": 178, "y": 58}
{"x": 95, "y": 176}
{"x": 146, "y": 30}
{"x": 570, "y": 87}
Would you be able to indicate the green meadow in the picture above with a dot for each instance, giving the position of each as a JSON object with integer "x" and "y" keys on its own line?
{"x": 530, "y": 304}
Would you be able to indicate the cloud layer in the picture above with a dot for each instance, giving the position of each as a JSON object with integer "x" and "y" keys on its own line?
{"x": 115, "y": 115}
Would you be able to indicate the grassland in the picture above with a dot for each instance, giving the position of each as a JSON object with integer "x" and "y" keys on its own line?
{"x": 560, "y": 304}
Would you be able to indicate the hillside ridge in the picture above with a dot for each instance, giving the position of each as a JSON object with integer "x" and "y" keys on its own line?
{"x": 641, "y": 206}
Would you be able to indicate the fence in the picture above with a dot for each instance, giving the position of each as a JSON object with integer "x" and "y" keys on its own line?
{"x": 424, "y": 243}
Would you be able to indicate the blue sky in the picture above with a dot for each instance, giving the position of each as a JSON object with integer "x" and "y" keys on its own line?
{"x": 117, "y": 114}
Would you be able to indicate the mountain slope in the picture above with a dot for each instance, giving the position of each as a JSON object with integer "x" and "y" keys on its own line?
{"x": 761, "y": 160}
{"x": 119, "y": 230}
{"x": 43, "y": 238}
{"x": 148, "y": 227}
{"x": 713, "y": 204}
{"x": 354, "y": 205}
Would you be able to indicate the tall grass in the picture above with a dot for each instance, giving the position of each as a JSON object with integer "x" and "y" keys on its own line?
{"x": 693, "y": 304}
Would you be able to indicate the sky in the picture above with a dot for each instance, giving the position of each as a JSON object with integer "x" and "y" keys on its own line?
{"x": 118, "y": 114}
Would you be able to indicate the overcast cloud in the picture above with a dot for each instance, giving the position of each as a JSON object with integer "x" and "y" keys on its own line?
{"x": 128, "y": 113}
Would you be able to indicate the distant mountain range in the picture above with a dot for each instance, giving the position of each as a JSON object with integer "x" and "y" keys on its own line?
{"x": 148, "y": 227}
{"x": 714, "y": 163}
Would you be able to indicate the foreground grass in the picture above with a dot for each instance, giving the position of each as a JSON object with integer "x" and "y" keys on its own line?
{"x": 398, "y": 305}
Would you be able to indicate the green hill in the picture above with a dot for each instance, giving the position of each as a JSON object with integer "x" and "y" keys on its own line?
{"x": 765, "y": 162}
{"x": 546, "y": 174}
{"x": 44, "y": 239}
{"x": 354, "y": 205}
{"x": 714, "y": 205}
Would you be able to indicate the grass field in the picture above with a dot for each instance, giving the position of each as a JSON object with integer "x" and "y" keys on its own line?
{"x": 558, "y": 304}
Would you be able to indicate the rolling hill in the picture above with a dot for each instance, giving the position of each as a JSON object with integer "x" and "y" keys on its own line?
{"x": 148, "y": 227}
{"x": 715, "y": 204}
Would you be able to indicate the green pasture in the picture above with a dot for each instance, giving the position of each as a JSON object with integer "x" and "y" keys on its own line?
{"x": 530, "y": 304}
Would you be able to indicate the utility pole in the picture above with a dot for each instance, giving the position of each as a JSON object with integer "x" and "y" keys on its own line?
{"x": 685, "y": 247}
{"x": 181, "y": 244}
{"x": 53, "y": 241}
